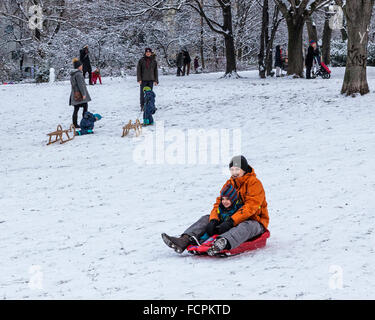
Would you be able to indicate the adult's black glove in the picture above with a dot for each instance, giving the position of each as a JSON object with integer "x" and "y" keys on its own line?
{"x": 212, "y": 226}
{"x": 225, "y": 226}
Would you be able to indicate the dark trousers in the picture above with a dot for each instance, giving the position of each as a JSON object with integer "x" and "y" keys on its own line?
{"x": 308, "y": 72}
{"x": 147, "y": 114}
{"x": 186, "y": 69}
{"x": 179, "y": 71}
{"x": 146, "y": 83}
{"x": 90, "y": 74}
{"x": 75, "y": 113}
{"x": 235, "y": 236}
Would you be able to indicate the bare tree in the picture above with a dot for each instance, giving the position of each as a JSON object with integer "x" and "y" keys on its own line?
{"x": 296, "y": 12}
{"x": 267, "y": 39}
{"x": 225, "y": 29}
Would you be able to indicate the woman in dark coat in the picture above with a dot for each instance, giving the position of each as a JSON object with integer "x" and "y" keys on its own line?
{"x": 179, "y": 63}
{"x": 187, "y": 62}
{"x": 85, "y": 59}
{"x": 278, "y": 61}
{"x": 79, "y": 96}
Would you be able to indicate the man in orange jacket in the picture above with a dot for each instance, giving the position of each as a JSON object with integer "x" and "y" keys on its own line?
{"x": 249, "y": 221}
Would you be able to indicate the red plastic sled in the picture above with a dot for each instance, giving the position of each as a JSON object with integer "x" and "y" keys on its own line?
{"x": 252, "y": 244}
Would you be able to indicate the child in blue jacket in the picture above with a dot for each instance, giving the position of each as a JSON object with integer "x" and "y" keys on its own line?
{"x": 87, "y": 123}
{"x": 149, "y": 108}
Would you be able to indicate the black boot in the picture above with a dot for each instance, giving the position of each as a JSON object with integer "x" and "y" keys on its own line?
{"x": 178, "y": 244}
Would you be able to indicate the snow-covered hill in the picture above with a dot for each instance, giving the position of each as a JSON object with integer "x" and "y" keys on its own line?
{"x": 83, "y": 220}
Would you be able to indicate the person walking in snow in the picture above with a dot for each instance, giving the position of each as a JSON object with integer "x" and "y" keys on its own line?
{"x": 79, "y": 96}
{"x": 249, "y": 220}
{"x": 278, "y": 61}
{"x": 187, "y": 62}
{"x": 313, "y": 55}
{"x": 179, "y": 62}
{"x": 85, "y": 59}
{"x": 147, "y": 73}
{"x": 196, "y": 64}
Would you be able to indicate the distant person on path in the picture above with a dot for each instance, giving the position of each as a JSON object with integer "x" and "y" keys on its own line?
{"x": 196, "y": 64}
{"x": 179, "y": 63}
{"x": 285, "y": 62}
{"x": 79, "y": 96}
{"x": 278, "y": 61}
{"x": 312, "y": 54}
{"x": 147, "y": 73}
{"x": 85, "y": 59}
{"x": 187, "y": 62}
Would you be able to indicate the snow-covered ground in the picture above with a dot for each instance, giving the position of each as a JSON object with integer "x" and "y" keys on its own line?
{"x": 83, "y": 219}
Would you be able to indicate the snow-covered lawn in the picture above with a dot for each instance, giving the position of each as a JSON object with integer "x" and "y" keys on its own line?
{"x": 85, "y": 218}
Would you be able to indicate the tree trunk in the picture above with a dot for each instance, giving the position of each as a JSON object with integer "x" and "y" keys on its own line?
{"x": 295, "y": 53}
{"x": 326, "y": 45}
{"x": 311, "y": 29}
{"x": 230, "y": 54}
{"x": 214, "y": 51}
{"x": 358, "y": 16}
{"x": 202, "y": 40}
{"x": 269, "y": 46}
{"x": 230, "y": 51}
{"x": 263, "y": 40}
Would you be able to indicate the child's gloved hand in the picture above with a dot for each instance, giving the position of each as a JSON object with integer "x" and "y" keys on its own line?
{"x": 212, "y": 226}
{"x": 225, "y": 226}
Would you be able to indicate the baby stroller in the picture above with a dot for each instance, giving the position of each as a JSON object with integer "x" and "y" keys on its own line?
{"x": 323, "y": 71}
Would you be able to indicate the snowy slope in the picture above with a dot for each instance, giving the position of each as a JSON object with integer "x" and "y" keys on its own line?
{"x": 87, "y": 218}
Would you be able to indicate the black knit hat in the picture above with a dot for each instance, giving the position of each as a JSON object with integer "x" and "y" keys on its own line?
{"x": 240, "y": 162}
{"x": 148, "y": 50}
{"x": 76, "y": 63}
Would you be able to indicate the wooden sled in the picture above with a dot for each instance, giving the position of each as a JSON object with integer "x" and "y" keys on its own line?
{"x": 60, "y": 133}
{"x": 137, "y": 127}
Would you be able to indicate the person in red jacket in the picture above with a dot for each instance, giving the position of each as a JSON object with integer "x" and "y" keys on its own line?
{"x": 247, "y": 222}
{"x": 96, "y": 76}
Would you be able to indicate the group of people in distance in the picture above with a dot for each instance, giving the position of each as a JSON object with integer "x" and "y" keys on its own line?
{"x": 183, "y": 63}
{"x": 239, "y": 213}
{"x": 147, "y": 77}
{"x": 312, "y": 56}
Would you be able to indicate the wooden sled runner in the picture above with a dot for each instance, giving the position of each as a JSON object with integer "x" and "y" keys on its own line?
{"x": 60, "y": 133}
{"x": 252, "y": 244}
{"x": 137, "y": 127}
